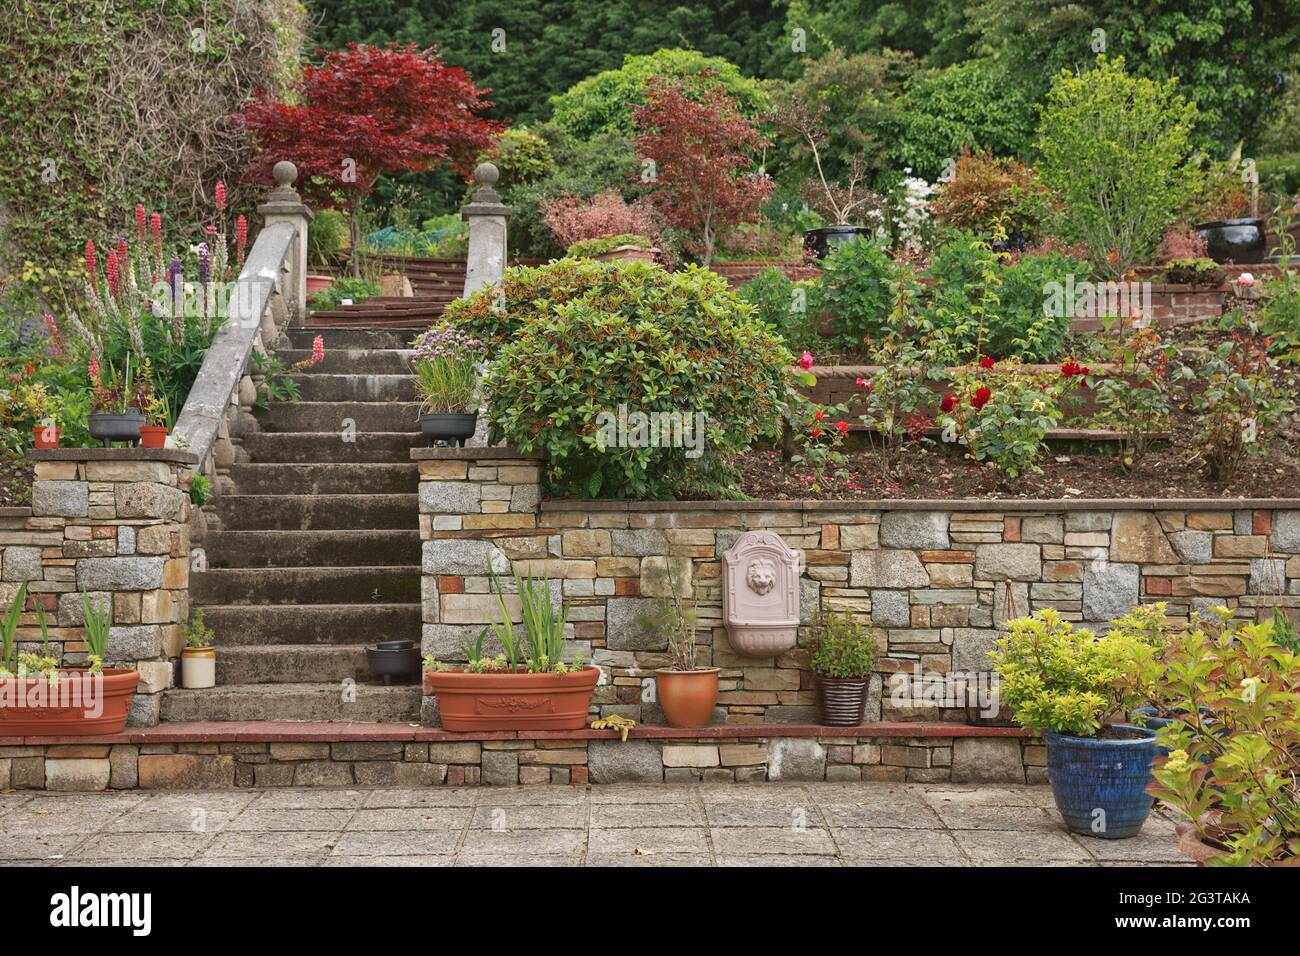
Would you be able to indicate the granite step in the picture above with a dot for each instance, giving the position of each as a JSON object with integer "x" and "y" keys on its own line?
{"x": 315, "y": 512}
{"x": 306, "y": 585}
{"x": 353, "y": 361}
{"x": 291, "y": 663}
{"x": 334, "y": 416}
{"x": 329, "y": 448}
{"x": 315, "y": 387}
{"x": 305, "y": 549}
{"x": 334, "y": 338}
{"x": 320, "y": 624}
{"x": 298, "y": 701}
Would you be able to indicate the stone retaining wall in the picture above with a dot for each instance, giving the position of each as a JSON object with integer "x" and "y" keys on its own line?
{"x": 936, "y": 579}
{"x": 113, "y": 523}
{"x": 506, "y": 762}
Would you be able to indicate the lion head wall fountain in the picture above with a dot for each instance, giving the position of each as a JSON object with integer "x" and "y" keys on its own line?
{"x": 760, "y": 595}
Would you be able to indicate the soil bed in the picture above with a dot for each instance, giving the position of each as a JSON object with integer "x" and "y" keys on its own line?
{"x": 15, "y": 482}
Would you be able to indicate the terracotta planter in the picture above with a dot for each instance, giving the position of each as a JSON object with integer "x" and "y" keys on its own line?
{"x": 317, "y": 282}
{"x": 198, "y": 668}
{"x": 153, "y": 436}
{"x": 1194, "y": 848}
{"x": 519, "y": 701}
{"x": 80, "y": 703}
{"x": 45, "y": 436}
{"x": 687, "y": 697}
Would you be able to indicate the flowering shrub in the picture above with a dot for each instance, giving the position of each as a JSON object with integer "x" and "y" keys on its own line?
{"x": 819, "y": 431}
{"x": 1135, "y": 400}
{"x": 572, "y": 219}
{"x": 1001, "y": 412}
{"x": 1057, "y": 678}
{"x": 1234, "y": 756}
{"x": 574, "y": 341}
{"x": 1241, "y": 402}
{"x": 985, "y": 193}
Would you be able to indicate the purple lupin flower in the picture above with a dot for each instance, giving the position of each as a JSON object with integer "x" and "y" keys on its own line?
{"x": 174, "y": 271}
{"x": 205, "y": 263}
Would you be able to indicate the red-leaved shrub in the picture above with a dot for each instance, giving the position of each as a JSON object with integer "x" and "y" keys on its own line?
{"x": 572, "y": 218}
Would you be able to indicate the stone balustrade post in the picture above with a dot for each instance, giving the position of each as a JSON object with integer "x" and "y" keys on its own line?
{"x": 283, "y": 204}
{"x": 487, "y": 217}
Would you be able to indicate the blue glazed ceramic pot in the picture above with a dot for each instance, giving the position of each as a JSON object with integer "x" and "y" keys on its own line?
{"x": 1100, "y": 783}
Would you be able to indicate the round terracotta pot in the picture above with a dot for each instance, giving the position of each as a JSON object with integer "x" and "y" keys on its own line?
{"x": 153, "y": 436}
{"x": 44, "y": 436}
{"x": 519, "y": 701}
{"x": 80, "y": 703}
{"x": 687, "y": 697}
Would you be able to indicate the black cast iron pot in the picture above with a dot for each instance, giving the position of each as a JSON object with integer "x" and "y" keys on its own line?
{"x": 394, "y": 662}
{"x": 1239, "y": 241}
{"x": 454, "y": 428}
{"x": 113, "y": 426}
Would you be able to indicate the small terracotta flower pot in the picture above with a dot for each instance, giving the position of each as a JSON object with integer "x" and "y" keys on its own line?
{"x": 45, "y": 436}
{"x": 688, "y": 697}
{"x": 153, "y": 436}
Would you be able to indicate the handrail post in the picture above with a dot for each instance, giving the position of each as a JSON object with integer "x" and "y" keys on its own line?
{"x": 283, "y": 204}
{"x": 487, "y": 216}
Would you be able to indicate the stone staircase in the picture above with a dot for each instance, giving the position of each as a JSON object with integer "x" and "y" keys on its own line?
{"x": 317, "y": 552}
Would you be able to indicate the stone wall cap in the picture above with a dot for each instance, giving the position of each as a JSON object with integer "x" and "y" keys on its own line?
{"x": 15, "y": 511}
{"x": 998, "y": 505}
{"x": 178, "y": 455}
{"x": 470, "y": 454}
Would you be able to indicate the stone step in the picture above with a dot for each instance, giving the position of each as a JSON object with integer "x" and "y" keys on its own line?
{"x": 329, "y": 448}
{"x": 355, "y": 388}
{"x": 313, "y": 549}
{"x": 303, "y": 701}
{"x": 236, "y": 625}
{"x": 291, "y": 663}
{"x": 332, "y": 416}
{"x": 307, "y": 585}
{"x": 346, "y": 361}
{"x": 320, "y": 478}
{"x": 315, "y": 512}
{"x": 301, "y": 338}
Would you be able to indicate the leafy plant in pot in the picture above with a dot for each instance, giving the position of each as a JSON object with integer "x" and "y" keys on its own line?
{"x": 41, "y": 698}
{"x": 1225, "y": 206}
{"x": 687, "y": 691}
{"x": 43, "y": 408}
{"x": 843, "y": 651}
{"x": 446, "y": 364}
{"x": 1064, "y": 683}
{"x": 1234, "y": 757}
{"x": 158, "y": 422}
{"x": 198, "y": 659}
{"x": 527, "y": 686}
{"x": 118, "y": 399}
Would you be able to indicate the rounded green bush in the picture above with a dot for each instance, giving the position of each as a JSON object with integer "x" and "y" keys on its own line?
{"x": 576, "y": 340}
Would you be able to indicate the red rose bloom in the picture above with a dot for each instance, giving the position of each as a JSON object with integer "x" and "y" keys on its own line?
{"x": 981, "y": 397}
{"x": 949, "y": 403}
{"x": 820, "y": 414}
{"x": 986, "y": 362}
{"x": 816, "y": 432}
{"x": 842, "y": 426}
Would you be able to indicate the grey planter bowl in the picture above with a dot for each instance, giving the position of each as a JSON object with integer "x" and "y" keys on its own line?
{"x": 109, "y": 427}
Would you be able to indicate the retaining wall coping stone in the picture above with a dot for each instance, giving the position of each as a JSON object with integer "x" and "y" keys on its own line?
{"x": 998, "y": 505}
{"x": 472, "y": 454}
{"x": 16, "y": 511}
{"x": 317, "y": 731}
{"x": 177, "y": 455}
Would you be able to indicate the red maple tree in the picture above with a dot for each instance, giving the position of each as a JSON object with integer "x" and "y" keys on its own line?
{"x": 703, "y": 149}
{"x": 366, "y": 111}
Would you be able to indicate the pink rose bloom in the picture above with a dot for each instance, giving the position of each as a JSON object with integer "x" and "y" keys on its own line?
{"x": 806, "y": 361}
{"x": 1246, "y": 279}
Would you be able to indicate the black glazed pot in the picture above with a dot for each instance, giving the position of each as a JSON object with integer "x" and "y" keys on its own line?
{"x": 841, "y": 700}
{"x": 394, "y": 662}
{"x": 820, "y": 242}
{"x": 111, "y": 426}
{"x": 455, "y": 428}
{"x": 1239, "y": 241}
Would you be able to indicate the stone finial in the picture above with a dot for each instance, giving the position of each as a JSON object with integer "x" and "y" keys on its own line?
{"x": 486, "y": 174}
{"x": 285, "y": 173}
{"x": 486, "y": 200}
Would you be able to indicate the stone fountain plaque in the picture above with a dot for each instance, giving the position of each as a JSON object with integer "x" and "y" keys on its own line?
{"x": 760, "y": 595}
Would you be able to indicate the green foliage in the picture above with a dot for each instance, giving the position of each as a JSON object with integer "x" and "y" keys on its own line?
{"x": 1234, "y": 755}
{"x": 1241, "y": 403}
{"x": 576, "y": 339}
{"x": 856, "y": 288}
{"x": 1137, "y": 398}
{"x": 521, "y": 156}
{"x": 1024, "y": 326}
{"x": 841, "y": 646}
{"x": 973, "y": 104}
{"x": 195, "y": 631}
{"x": 98, "y": 624}
{"x": 1121, "y": 184}
{"x": 1057, "y": 678}
{"x": 200, "y": 490}
{"x": 590, "y": 248}
{"x": 327, "y": 237}
{"x": 675, "y": 618}
{"x": 356, "y": 288}
{"x": 604, "y": 103}
{"x": 788, "y": 306}
{"x": 1198, "y": 271}
{"x": 540, "y": 648}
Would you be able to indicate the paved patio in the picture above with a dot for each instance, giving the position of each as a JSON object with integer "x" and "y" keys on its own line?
{"x": 818, "y": 824}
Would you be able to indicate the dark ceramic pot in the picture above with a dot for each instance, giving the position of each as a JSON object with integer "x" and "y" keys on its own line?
{"x": 109, "y": 427}
{"x": 394, "y": 662}
{"x": 1100, "y": 783}
{"x": 842, "y": 699}
{"x": 1239, "y": 241}
{"x": 820, "y": 242}
{"x": 454, "y": 428}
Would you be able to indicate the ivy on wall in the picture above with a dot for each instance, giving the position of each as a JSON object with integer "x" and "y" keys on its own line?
{"x": 108, "y": 103}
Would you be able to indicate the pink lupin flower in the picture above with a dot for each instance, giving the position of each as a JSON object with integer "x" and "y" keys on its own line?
{"x": 241, "y": 238}
{"x": 53, "y": 333}
{"x": 317, "y": 350}
{"x": 140, "y": 222}
{"x": 90, "y": 259}
{"x": 92, "y": 368}
{"x": 110, "y": 270}
{"x": 221, "y": 195}
{"x": 121, "y": 253}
